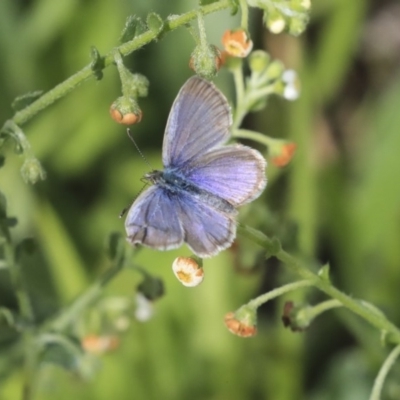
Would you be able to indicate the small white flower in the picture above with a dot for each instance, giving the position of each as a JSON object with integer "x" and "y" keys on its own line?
{"x": 188, "y": 271}
{"x": 291, "y": 90}
{"x": 277, "y": 26}
{"x": 144, "y": 308}
{"x": 122, "y": 323}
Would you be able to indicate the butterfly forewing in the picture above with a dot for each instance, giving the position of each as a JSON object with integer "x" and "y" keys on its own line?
{"x": 199, "y": 121}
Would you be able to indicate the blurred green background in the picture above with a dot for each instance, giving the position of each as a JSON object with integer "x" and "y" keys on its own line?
{"x": 338, "y": 201}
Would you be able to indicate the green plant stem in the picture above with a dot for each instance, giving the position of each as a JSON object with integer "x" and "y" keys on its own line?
{"x": 244, "y": 20}
{"x": 63, "y": 320}
{"x": 241, "y": 110}
{"x": 258, "y": 301}
{"x": 30, "y": 364}
{"x": 368, "y": 313}
{"x": 85, "y": 73}
{"x": 313, "y": 312}
{"x": 26, "y": 312}
{"x": 253, "y": 135}
{"x": 14, "y": 269}
{"x": 380, "y": 379}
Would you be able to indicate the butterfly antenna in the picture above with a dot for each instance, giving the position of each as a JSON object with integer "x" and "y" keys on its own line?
{"x": 128, "y": 131}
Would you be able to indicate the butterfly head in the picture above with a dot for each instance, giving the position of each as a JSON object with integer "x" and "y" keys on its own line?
{"x": 153, "y": 177}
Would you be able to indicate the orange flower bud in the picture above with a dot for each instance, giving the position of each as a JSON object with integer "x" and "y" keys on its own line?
{"x": 287, "y": 151}
{"x": 243, "y": 327}
{"x": 188, "y": 270}
{"x": 99, "y": 344}
{"x": 125, "y": 110}
{"x": 237, "y": 43}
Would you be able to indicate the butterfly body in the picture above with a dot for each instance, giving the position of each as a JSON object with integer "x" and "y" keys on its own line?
{"x": 194, "y": 199}
{"x": 174, "y": 184}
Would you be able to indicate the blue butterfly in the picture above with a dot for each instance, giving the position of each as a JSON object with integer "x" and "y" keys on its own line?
{"x": 194, "y": 199}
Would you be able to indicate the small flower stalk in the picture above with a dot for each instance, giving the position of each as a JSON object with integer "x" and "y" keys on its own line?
{"x": 267, "y": 77}
{"x": 125, "y": 110}
{"x": 188, "y": 270}
{"x": 237, "y": 43}
{"x": 242, "y": 322}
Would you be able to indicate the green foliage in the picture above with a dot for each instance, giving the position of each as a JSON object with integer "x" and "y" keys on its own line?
{"x": 337, "y": 202}
{"x": 134, "y": 26}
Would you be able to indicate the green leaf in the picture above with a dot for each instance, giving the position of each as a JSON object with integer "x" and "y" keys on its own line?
{"x": 26, "y": 246}
{"x": 3, "y": 206}
{"x": 97, "y": 64}
{"x": 324, "y": 273}
{"x": 7, "y": 315}
{"x": 155, "y": 23}
{"x": 24, "y": 100}
{"x": 134, "y": 26}
{"x": 2, "y": 160}
{"x": 234, "y": 7}
{"x": 61, "y": 350}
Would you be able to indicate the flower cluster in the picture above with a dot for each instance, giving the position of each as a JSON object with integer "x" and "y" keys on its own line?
{"x": 282, "y": 15}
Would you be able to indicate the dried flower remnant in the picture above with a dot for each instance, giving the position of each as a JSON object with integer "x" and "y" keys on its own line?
{"x": 243, "y": 325}
{"x": 188, "y": 270}
{"x": 286, "y": 153}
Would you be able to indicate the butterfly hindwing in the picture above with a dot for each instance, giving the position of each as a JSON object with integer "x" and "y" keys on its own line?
{"x": 207, "y": 231}
{"x": 153, "y": 221}
{"x": 235, "y": 173}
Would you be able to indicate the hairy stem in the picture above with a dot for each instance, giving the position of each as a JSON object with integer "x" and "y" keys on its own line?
{"x": 258, "y": 301}
{"x": 87, "y": 72}
{"x": 380, "y": 379}
{"x": 370, "y": 314}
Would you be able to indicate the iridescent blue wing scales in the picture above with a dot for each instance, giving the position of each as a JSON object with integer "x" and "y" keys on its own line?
{"x": 207, "y": 231}
{"x": 169, "y": 213}
{"x": 235, "y": 173}
{"x": 153, "y": 221}
{"x": 199, "y": 121}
